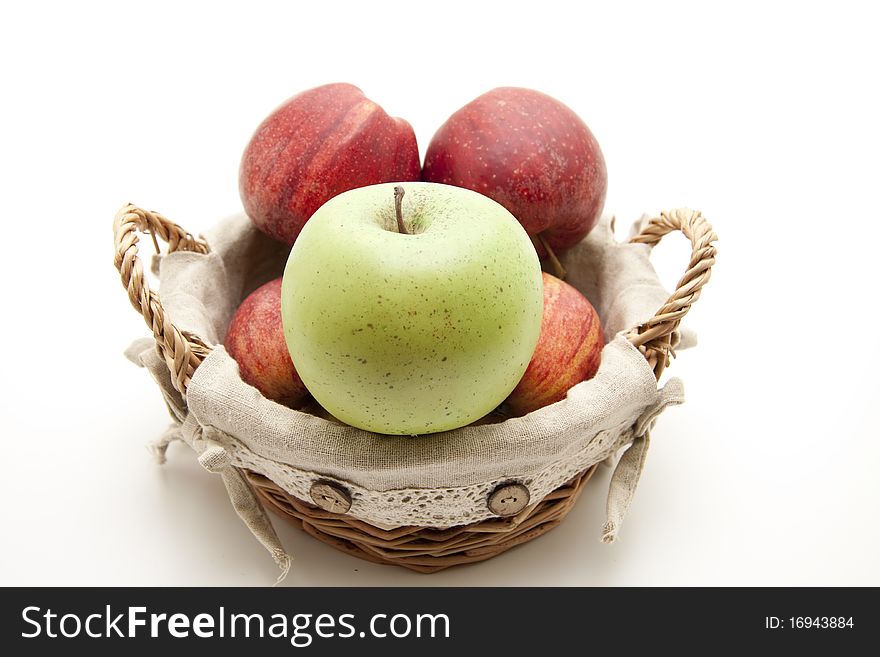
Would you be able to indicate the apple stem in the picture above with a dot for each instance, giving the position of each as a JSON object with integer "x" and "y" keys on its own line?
{"x": 558, "y": 269}
{"x": 398, "y": 209}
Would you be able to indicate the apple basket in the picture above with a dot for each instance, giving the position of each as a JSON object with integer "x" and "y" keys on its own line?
{"x": 427, "y": 502}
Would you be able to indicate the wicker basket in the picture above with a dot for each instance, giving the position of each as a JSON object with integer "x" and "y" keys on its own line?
{"x": 417, "y": 548}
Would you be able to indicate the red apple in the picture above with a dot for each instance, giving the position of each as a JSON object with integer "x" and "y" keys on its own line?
{"x": 531, "y": 154}
{"x": 318, "y": 144}
{"x": 568, "y": 351}
{"x": 255, "y": 339}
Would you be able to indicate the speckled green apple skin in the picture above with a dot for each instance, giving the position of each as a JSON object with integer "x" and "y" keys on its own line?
{"x": 411, "y": 334}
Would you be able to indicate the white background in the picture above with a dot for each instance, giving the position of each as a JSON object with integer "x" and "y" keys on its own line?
{"x": 764, "y": 117}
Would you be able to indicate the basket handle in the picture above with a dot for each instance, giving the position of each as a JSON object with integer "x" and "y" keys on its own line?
{"x": 655, "y": 337}
{"x": 182, "y": 350}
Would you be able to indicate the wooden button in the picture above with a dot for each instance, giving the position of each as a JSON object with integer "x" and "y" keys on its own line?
{"x": 330, "y": 497}
{"x": 508, "y": 499}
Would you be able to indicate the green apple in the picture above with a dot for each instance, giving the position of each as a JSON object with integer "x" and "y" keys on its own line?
{"x": 411, "y": 308}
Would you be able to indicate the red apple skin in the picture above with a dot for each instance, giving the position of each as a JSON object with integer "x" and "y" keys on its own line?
{"x": 255, "y": 339}
{"x": 568, "y": 352}
{"x": 531, "y": 154}
{"x": 316, "y": 145}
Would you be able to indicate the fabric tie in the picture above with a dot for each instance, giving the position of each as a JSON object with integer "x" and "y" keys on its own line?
{"x": 625, "y": 478}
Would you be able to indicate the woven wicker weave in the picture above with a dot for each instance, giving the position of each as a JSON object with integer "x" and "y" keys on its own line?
{"x": 417, "y": 548}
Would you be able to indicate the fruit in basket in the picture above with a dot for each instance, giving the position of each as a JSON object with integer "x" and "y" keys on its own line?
{"x": 255, "y": 339}
{"x": 316, "y": 145}
{"x": 411, "y": 333}
{"x": 568, "y": 351}
{"x": 530, "y": 153}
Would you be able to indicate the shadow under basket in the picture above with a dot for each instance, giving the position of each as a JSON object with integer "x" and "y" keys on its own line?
{"x": 418, "y": 548}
